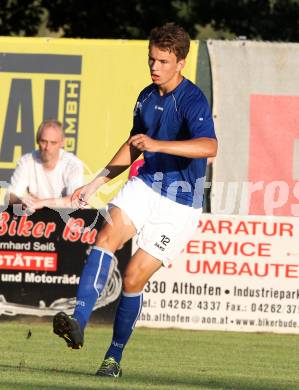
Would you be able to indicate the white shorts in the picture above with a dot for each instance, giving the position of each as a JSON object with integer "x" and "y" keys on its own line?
{"x": 163, "y": 226}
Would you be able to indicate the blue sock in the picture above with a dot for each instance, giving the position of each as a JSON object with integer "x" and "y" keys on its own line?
{"x": 127, "y": 314}
{"x": 92, "y": 282}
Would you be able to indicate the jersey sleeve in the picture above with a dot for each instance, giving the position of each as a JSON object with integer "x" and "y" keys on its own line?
{"x": 198, "y": 117}
{"x": 19, "y": 181}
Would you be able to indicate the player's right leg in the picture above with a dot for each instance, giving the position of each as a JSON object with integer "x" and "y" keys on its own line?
{"x": 140, "y": 268}
{"x": 94, "y": 278}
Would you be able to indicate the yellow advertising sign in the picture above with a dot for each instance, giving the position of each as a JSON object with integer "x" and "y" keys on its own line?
{"x": 89, "y": 85}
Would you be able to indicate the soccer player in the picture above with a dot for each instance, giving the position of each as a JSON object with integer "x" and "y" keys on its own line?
{"x": 174, "y": 130}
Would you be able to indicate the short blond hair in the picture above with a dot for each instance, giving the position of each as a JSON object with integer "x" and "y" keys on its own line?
{"x": 49, "y": 123}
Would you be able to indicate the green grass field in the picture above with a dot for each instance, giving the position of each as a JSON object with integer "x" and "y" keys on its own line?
{"x": 154, "y": 359}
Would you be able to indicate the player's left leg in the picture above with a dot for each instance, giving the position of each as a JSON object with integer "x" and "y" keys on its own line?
{"x": 93, "y": 278}
{"x": 139, "y": 270}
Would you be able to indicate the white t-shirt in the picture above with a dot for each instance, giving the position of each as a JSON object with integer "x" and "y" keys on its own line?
{"x": 30, "y": 175}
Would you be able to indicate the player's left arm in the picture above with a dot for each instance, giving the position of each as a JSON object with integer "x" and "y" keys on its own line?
{"x": 201, "y": 147}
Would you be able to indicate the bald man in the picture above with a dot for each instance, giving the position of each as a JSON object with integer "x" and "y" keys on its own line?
{"x": 48, "y": 176}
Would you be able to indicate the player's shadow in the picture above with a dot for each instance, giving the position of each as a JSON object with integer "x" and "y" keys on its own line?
{"x": 27, "y": 368}
{"x": 58, "y": 386}
{"x": 201, "y": 381}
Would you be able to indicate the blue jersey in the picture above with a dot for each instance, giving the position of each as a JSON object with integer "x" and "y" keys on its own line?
{"x": 181, "y": 114}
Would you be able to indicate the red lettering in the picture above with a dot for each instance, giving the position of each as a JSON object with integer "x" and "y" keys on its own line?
{"x": 89, "y": 236}
{"x": 216, "y": 268}
{"x": 241, "y": 227}
{"x": 229, "y": 268}
{"x": 3, "y": 223}
{"x": 245, "y": 269}
{"x": 254, "y": 224}
{"x": 43, "y": 261}
{"x": 291, "y": 271}
{"x": 225, "y": 226}
{"x": 12, "y": 230}
{"x": 192, "y": 247}
{"x": 208, "y": 246}
{"x": 286, "y": 228}
{"x": 257, "y": 270}
{"x": 38, "y": 229}
{"x": 50, "y": 228}
{"x": 73, "y": 229}
{"x": 224, "y": 247}
{"x": 277, "y": 268}
{"x": 264, "y": 249}
{"x": 243, "y": 249}
{"x": 25, "y": 226}
{"x": 209, "y": 226}
{"x": 193, "y": 271}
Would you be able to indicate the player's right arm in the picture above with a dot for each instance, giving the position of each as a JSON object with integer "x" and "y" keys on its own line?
{"x": 121, "y": 161}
